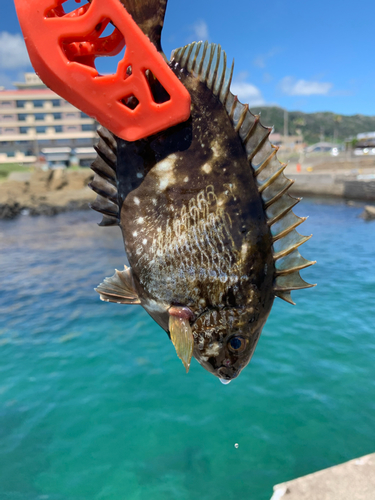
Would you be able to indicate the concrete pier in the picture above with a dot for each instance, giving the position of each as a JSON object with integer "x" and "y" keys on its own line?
{"x": 353, "y": 480}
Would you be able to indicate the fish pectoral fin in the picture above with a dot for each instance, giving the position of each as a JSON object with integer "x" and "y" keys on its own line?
{"x": 119, "y": 288}
{"x": 182, "y": 338}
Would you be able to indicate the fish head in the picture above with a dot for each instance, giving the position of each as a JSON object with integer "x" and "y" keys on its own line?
{"x": 225, "y": 340}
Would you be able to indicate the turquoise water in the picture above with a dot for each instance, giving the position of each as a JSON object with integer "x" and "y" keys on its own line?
{"x": 95, "y": 405}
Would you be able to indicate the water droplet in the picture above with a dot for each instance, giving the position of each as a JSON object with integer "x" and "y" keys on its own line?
{"x": 223, "y": 381}
{"x": 236, "y": 445}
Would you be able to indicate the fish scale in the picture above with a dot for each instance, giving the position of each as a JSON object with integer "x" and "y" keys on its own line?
{"x": 206, "y": 219}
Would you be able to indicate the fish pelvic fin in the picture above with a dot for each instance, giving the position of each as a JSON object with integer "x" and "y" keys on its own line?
{"x": 119, "y": 288}
{"x": 149, "y": 15}
{"x": 181, "y": 336}
{"x": 104, "y": 183}
{"x": 208, "y": 63}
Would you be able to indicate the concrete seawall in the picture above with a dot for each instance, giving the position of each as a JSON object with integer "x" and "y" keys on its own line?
{"x": 354, "y": 480}
{"x": 350, "y": 187}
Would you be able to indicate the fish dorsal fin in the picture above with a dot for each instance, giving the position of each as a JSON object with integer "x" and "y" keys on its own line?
{"x": 119, "y": 288}
{"x": 104, "y": 182}
{"x": 208, "y": 63}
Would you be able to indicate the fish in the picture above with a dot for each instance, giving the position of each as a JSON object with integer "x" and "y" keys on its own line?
{"x": 205, "y": 214}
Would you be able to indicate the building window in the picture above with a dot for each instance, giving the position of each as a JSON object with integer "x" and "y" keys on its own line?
{"x": 9, "y": 131}
{"x": 55, "y": 103}
{"x": 58, "y": 129}
{"x": 22, "y": 117}
{"x": 21, "y": 104}
{"x": 8, "y": 117}
{"x": 83, "y": 115}
{"x": 38, "y": 104}
{"x": 40, "y": 130}
{"x": 57, "y": 116}
{"x": 83, "y": 142}
{"x": 87, "y": 128}
{"x": 39, "y": 116}
{"x": 71, "y": 115}
{"x": 23, "y": 130}
{"x": 6, "y": 104}
{"x": 11, "y": 154}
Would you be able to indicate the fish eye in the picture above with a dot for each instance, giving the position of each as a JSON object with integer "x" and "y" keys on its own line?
{"x": 237, "y": 344}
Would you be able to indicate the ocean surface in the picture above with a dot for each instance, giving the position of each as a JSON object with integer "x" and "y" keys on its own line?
{"x": 95, "y": 405}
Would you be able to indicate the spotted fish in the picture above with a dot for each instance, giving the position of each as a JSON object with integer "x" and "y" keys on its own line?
{"x": 205, "y": 214}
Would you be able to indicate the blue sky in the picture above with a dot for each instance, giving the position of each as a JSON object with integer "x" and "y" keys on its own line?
{"x": 300, "y": 55}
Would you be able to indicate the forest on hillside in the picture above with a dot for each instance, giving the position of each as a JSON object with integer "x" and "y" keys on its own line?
{"x": 314, "y": 127}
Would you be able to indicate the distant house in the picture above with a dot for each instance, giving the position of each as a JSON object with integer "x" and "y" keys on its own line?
{"x": 288, "y": 143}
{"x": 365, "y": 144}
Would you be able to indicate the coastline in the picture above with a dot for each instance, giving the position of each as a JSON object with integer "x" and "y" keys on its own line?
{"x": 340, "y": 177}
{"x": 51, "y": 192}
{"x": 45, "y": 192}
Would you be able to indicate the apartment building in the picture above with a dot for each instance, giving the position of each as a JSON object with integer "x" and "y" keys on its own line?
{"x": 36, "y": 123}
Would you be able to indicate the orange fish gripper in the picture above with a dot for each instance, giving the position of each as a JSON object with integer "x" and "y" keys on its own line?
{"x": 63, "y": 48}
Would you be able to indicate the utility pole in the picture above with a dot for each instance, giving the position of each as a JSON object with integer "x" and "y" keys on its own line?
{"x": 285, "y": 123}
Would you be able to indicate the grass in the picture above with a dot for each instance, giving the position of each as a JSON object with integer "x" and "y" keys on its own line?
{"x": 7, "y": 168}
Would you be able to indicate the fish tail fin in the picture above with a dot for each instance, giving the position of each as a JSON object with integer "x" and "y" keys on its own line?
{"x": 149, "y": 16}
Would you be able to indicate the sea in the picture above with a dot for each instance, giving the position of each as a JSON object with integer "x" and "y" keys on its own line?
{"x": 95, "y": 404}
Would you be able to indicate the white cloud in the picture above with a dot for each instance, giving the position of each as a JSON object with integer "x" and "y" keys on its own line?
{"x": 13, "y": 53}
{"x": 261, "y": 60}
{"x": 247, "y": 93}
{"x": 198, "y": 31}
{"x": 291, "y": 86}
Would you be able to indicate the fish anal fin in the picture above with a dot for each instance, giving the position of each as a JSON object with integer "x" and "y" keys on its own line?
{"x": 119, "y": 288}
{"x": 104, "y": 183}
{"x": 182, "y": 338}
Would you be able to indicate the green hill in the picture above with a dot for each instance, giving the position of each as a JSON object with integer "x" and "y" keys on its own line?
{"x": 316, "y": 126}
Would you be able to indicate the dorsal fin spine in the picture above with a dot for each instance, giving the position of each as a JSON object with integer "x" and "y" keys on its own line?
{"x": 218, "y": 92}
{"x": 272, "y": 179}
{"x": 279, "y": 195}
{"x": 269, "y": 175}
{"x": 215, "y": 73}
{"x": 259, "y": 146}
{"x": 242, "y": 118}
{"x": 198, "y": 45}
{"x": 263, "y": 165}
{"x": 280, "y": 215}
{"x": 289, "y": 229}
{"x": 205, "y": 45}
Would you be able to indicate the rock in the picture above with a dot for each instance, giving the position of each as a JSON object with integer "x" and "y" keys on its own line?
{"x": 368, "y": 213}
{"x": 10, "y": 210}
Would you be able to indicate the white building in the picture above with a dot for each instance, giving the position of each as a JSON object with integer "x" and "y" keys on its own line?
{"x": 34, "y": 122}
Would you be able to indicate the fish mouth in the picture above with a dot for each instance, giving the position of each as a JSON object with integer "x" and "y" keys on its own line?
{"x": 225, "y": 374}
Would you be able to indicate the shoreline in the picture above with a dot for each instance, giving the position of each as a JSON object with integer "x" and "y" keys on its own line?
{"x": 45, "y": 192}
{"x": 51, "y": 192}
